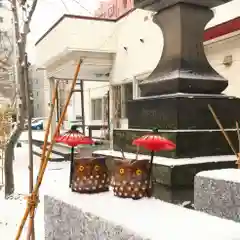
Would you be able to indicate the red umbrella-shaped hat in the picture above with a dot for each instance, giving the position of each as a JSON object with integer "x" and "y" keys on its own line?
{"x": 153, "y": 142}
{"x": 73, "y": 138}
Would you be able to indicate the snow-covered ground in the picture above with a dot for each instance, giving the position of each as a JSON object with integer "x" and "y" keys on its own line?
{"x": 148, "y": 217}
{"x": 11, "y": 211}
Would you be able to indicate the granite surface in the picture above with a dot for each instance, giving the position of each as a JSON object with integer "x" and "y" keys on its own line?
{"x": 66, "y": 222}
{"x": 217, "y": 196}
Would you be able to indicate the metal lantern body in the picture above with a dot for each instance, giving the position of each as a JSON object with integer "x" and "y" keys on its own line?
{"x": 90, "y": 175}
{"x": 130, "y": 178}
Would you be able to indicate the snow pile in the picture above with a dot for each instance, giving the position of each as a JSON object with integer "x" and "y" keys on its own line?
{"x": 11, "y": 211}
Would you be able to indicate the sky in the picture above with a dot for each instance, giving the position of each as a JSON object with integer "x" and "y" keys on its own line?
{"x": 49, "y": 11}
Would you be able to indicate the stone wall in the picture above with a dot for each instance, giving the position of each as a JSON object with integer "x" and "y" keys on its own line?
{"x": 217, "y": 193}
{"x": 66, "y": 222}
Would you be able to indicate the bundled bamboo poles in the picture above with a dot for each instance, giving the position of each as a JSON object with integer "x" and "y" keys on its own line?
{"x": 32, "y": 212}
{"x": 33, "y": 198}
{"x": 237, "y": 154}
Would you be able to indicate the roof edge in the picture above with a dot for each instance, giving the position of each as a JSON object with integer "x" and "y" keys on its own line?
{"x": 81, "y": 17}
{"x": 222, "y": 29}
{"x": 213, "y": 32}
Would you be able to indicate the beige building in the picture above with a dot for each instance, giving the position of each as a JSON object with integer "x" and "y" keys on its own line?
{"x": 117, "y": 55}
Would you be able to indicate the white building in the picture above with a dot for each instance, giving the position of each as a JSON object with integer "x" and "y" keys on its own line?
{"x": 119, "y": 53}
{"x": 36, "y": 77}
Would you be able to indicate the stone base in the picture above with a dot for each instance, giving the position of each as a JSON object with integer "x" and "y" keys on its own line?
{"x": 189, "y": 143}
{"x": 183, "y": 111}
{"x": 64, "y": 222}
{"x": 174, "y": 173}
{"x": 218, "y": 193}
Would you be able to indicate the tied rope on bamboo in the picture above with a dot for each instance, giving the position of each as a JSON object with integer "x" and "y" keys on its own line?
{"x": 45, "y": 157}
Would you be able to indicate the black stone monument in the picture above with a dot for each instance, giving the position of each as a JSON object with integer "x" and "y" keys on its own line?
{"x": 176, "y": 95}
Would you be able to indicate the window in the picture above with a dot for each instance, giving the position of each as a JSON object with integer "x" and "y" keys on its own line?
{"x": 1, "y": 18}
{"x": 127, "y": 94}
{"x": 37, "y": 94}
{"x": 97, "y": 109}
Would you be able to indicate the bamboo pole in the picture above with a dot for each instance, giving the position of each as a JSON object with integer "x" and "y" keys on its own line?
{"x": 222, "y": 129}
{"x": 45, "y": 158}
{"x": 238, "y": 134}
{"x": 42, "y": 157}
{"x": 53, "y": 103}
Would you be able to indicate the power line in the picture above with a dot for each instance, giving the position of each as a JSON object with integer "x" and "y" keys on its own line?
{"x": 87, "y": 10}
{"x": 65, "y": 6}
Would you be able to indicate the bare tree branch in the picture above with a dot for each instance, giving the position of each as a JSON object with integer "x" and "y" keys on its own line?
{"x": 21, "y": 41}
{"x": 32, "y": 10}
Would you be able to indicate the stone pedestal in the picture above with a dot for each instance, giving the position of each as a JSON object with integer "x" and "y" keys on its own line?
{"x": 217, "y": 193}
{"x": 186, "y": 119}
{"x": 176, "y": 95}
{"x": 183, "y": 66}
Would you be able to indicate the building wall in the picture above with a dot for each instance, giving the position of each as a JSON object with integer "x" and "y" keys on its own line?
{"x": 113, "y": 9}
{"x": 37, "y": 85}
{"x": 216, "y": 52}
{"x": 135, "y": 57}
{"x": 75, "y": 33}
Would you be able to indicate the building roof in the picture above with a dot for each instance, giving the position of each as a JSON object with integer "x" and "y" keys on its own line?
{"x": 222, "y": 29}
{"x": 218, "y": 30}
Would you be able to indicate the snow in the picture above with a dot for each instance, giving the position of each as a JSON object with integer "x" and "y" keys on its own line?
{"x": 170, "y": 162}
{"x": 148, "y": 217}
{"x": 11, "y": 211}
{"x": 230, "y": 174}
{"x": 37, "y": 135}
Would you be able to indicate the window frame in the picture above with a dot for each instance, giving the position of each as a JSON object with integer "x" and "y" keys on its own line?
{"x": 93, "y": 113}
